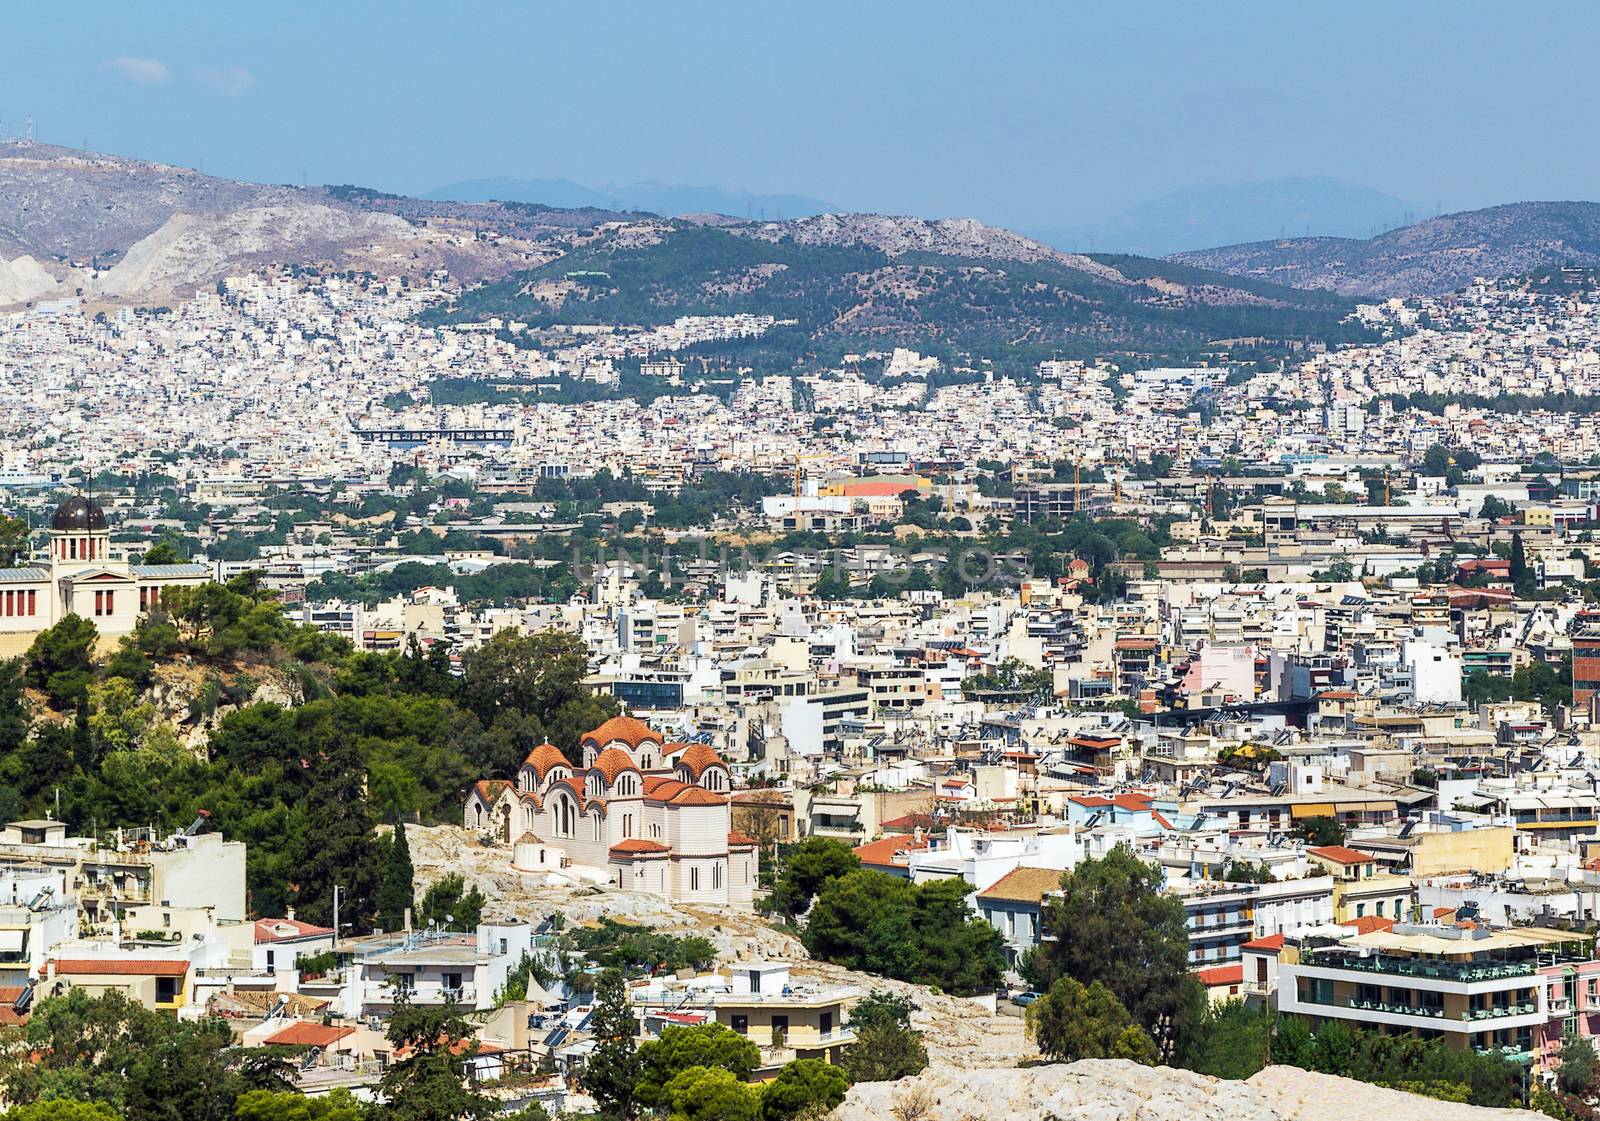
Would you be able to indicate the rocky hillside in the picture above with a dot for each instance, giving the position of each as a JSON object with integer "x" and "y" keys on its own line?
{"x": 1117, "y": 1090}
{"x": 113, "y": 228}
{"x": 863, "y": 280}
{"x": 1438, "y": 255}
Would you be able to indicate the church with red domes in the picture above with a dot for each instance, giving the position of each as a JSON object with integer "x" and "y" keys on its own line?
{"x": 640, "y": 813}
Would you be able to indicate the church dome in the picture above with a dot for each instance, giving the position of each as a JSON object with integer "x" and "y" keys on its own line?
{"x": 79, "y": 514}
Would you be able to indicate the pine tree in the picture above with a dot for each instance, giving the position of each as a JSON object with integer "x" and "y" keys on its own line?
{"x": 1519, "y": 563}
{"x": 394, "y": 891}
{"x": 613, "y": 1069}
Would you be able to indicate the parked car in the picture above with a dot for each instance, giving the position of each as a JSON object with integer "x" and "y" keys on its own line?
{"x": 1024, "y": 999}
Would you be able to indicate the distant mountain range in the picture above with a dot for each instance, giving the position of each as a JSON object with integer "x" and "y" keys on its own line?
{"x": 856, "y": 281}
{"x": 1433, "y": 256}
{"x": 118, "y": 229}
{"x": 667, "y": 199}
{"x": 1202, "y": 217}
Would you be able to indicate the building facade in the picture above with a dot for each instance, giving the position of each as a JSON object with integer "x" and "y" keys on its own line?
{"x": 641, "y": 813}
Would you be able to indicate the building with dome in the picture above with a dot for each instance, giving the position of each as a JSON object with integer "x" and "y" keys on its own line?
{"x": 640, "y": 813}
{"x": 80, "y": 573}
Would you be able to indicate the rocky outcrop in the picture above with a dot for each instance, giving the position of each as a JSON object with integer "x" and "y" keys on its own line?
{"x": 1117, "y": 1090}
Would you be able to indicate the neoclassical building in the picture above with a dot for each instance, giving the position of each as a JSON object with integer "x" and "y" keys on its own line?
{"x": 642, "y": 813}
{"x": 79, "y": 574}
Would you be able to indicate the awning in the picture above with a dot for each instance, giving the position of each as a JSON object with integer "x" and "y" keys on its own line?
{"x": 1312, "y": 809}
{"x": 13, "y": 941}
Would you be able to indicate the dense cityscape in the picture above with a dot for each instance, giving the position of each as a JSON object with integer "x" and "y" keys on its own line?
{"x": 532, "y": 651}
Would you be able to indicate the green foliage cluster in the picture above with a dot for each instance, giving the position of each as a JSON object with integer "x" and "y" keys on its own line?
{"x": 923, "y": 933}
{"x": 1072, "y": 1021}
{"x": 1113, "y": 925}
{"x": 83, "y": 1058}
{"x": 695, "y": 1073}
{"x": 634, "y": 950}
{"x": 381, "y": 737}
{"x": 887, "y": 1047}
{"x": 1549, "y": 685}
{"x": 957, "y": 302}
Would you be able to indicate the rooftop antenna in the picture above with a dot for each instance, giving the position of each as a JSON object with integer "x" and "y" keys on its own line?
{"x": 30, "y": 129}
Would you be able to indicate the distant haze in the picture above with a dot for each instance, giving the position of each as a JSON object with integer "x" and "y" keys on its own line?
{"x": 1205, "y": 217}
{"x": 658, "y": 198}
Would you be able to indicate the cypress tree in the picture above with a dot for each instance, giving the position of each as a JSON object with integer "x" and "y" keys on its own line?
{"x": 394, "y": 892}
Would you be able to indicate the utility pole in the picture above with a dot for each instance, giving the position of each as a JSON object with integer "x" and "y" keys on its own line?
{"x": 336, "y": 915}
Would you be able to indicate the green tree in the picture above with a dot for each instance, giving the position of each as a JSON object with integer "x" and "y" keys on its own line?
{"x": 61, "y": 1109}
{"x": 1073, "y": 1021}
{"x": 291, "y": 1105}
{"x": 449, "y": 903}
{"x": 1230, "y": 1041}
{"x": 163, "y": 552}
{"x": 1291, "y": 1042}
{"x": 394, "y": 897}
{"x": 15, "y": 538}
{"x": 887, "y": 1047}
{"x": 339, "y": 846}
{"x": 809, "y": 865}
{"x": 60, "y": 661}
{"x": 922, "y": 933}
{"x": 426, "y": 1084}
{"x": 1112, "y": 924}
{"x": 1322, "y": 830}
{"x": 539, "y": 678}
{"x": 1576, "y": 1072}
{"x": 613, "y": 1068}
{"x": 803, "y": 1088}
{"x": 707, "y": 1094}
{"x": 680, "y": 1048}
{"x": 1521, "y": 578}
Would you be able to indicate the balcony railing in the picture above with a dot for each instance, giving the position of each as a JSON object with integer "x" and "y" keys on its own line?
{"x": 421, "y": 994}
{"x": 1438, "y": 969}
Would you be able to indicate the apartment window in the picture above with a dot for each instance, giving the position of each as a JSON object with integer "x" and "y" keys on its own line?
{"x": 1380, "y": 908}
{"x": 452, "y": 982}
{"x": 1361, "y": 910}
{"x": 741, "y": 1024}
{"x": 780, "y": 1023}
{"x": 166, "y": 990}
{"x": 272, "y": 961}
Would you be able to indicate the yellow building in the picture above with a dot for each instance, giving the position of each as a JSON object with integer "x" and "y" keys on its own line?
{"x": 1359, "y": 889}
{"x": 781, "y": 1016}
{"x": 156, "y": 983}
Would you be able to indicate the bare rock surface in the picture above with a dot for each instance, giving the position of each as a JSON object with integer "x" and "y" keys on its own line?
{"x": 1118, "y": 1090}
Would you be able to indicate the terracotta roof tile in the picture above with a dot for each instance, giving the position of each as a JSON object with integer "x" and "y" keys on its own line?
{"x": 627, "y": 729}
{"x": 125, "y": 967}
{"x": 307, "y": 1034}
{"x": 1023, "y": 885}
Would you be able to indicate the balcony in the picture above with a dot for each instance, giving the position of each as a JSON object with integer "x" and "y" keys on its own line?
{"x": 385, "y": 993}
{"x": 1437, "y": 969}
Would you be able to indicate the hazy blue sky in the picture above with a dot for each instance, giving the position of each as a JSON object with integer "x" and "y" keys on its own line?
{"x": 1028, "y": 114}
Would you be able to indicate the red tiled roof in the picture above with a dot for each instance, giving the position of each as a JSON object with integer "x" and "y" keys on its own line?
{"x": 125, "y": 967}
{"x": 698, "y": 757}
{"x": 696, "y": 796}
{"x": 1366, "y": 924}
{"x": 1221, "y": 975}
{"x": 1340, "y": 854}
{"x": 627, "y": 729}
{"x": 308, "y": 1034}
{"x": 491, "y": 788}
{"x": 544, "y": 757}
{"x": 659, "y": 788}
{"x": 612, "y": 762}
{"x": 638, "y": 846}
{"x": 278, "y": 930}
{"x": 1272, "y": 942}
{"x": 739, "y": 840}
{"x": 881, "y": 853}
